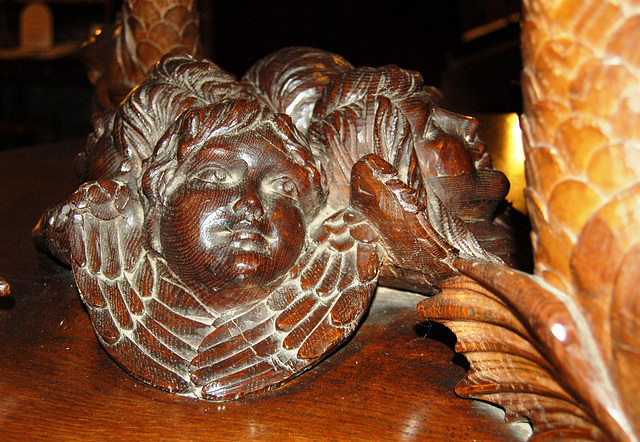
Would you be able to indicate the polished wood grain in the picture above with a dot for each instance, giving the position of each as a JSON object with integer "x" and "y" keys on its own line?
{"x": 231, "y": 234}
{"x": 393, "y": 381}
{"x": 561, "y": 346}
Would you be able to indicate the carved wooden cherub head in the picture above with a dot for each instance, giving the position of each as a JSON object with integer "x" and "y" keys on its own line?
{"x": 231, "y": 189}
{"x": 231, "y": 234}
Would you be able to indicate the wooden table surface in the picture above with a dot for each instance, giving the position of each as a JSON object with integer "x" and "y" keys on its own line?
{"x": 394, "y": 380}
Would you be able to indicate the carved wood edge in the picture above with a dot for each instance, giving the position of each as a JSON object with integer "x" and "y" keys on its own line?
{"x": 5, "y": 288}
{"x": 527, "y": 327}
{"x": 561, "y": 347}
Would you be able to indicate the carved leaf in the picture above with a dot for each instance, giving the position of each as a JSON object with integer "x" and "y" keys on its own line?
{"x": 508, "y": 366}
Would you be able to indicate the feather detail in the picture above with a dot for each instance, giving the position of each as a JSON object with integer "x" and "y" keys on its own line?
{"x": 135, "y": 303}
{"x": 314, "y": 309}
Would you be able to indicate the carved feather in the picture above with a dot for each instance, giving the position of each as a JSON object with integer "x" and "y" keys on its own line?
{"x": 135, "y": 302}
{"x": 151, "y": 324}
{"x": 291, "y": 80}
{"x": 314, "y": 310}
{"x": 553, "y": 342}
{"x": 508, "y": 367}
{"x": 389, "y": 112}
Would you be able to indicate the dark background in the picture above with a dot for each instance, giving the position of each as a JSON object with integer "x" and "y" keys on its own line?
{"x": 476, "y": 66}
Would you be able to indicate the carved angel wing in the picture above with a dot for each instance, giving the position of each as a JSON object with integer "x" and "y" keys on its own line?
{"x": 314, "y": 310}
{"x": 390, "y": 149}
{"x": 152, "y": 326}
{"x": 362, "y": 112}
{"x": 143, "y": 316}
{"x": 420, "y": 236}
{"x": 291, "y": 80}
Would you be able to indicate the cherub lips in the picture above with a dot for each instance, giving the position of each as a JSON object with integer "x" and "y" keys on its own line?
{"x": 218, "y": 231}
{"x": 248, "y": 237}
{"x": 249, "y": 241}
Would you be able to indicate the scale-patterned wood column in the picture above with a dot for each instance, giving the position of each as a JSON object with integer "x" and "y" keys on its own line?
{"x": 120, "y": 56}
{"x": 562, "y": 347}
{"x": 581, "y": 87}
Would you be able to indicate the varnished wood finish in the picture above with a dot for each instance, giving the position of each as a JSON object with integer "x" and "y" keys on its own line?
{"x": 119, "y": 56}
{"x": 223, "y": 247}
{"x": 390, "y": 382}
{"x": 561, "y": 346}
{"x": 235, "y": 232}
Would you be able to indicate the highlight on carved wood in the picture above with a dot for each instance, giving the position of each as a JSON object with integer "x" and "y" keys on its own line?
{"x": 561, "y": 347}
{"x": 230, "y": 234}
{"x": 121, "y": 55}
{"x": 221, "y": 250}
{"x": 5, "y": 288}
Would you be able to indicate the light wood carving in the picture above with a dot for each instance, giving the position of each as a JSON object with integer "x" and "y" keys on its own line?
{"x": 120, "y": 56}
{"x": 562, "y": 347}
{"x": 5, "y": 288}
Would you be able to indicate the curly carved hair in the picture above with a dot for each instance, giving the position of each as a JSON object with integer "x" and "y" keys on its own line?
{"x": 167, "y": 168}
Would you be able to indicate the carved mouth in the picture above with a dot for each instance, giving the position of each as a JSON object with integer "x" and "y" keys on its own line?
{"x": 249, "y": 241}
{"x": 240, "y": 235}
{"x": 243, "y": 234}
{"x": 249, "y": 238}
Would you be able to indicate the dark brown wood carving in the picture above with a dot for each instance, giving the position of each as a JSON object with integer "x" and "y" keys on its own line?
{"x": 230, "y": 234}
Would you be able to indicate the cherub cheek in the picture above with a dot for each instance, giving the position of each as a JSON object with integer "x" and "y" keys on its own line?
{"x": 290, "y": 226}
{"x": 214, "y": 229}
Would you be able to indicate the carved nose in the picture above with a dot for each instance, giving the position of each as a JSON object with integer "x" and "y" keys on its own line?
{"x": 249, "y": 206}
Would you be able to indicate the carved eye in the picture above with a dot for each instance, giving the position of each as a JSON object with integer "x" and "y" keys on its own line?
{"x": 215, "y": 174}
{"x": 219, "y": 174}
{"x": 285, "y": 186}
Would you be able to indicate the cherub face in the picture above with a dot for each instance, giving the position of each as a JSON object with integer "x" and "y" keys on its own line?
{"x": 235, "y": 221}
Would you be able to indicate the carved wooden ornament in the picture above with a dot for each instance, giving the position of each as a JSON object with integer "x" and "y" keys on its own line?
{"x": 5, "y": 288}
{"x": 561, "y": 347}
{"x": 231, "y": 234}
